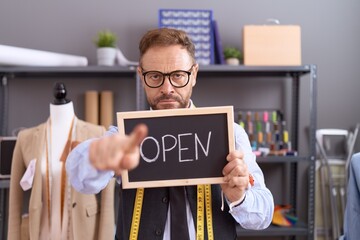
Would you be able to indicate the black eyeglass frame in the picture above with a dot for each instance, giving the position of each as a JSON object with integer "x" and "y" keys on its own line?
{"x": 168, "y": 75}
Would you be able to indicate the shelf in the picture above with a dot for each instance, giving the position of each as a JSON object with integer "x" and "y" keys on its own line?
{"x": 256, "y": 71}
{"x": 232, "y": 73}
{"x": 4, "y": 183}
{"x": 280, "y": 159}
{"x": 206, "y": 70}
{"x": 88, "y": 71}
{"x": 272, "y": 231}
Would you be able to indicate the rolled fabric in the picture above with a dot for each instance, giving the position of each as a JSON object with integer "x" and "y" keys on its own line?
{"x": 16, "y": 56}
{"x": 92, "y": 106}
{"x": 106, "y": 108}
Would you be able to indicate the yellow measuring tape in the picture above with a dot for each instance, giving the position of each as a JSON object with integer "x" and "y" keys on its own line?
{"x": 136, "y": 214}
{"x": 208, "y": 204}
{"x": 203, "y": 199}
{"x": 200, "y": 212}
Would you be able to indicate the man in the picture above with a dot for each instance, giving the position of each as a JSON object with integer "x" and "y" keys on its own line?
{"x": 352, "y": 211}
{"x": 168, "y": 71}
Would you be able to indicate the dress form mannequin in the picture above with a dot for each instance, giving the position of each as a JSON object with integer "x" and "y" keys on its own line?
{"x": 61, "y": 123}
{"x": 61, "y": 117}
{"x": 28, "y": 209}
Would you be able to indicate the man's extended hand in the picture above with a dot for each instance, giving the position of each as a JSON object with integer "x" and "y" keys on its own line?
{"x": 118, "y": 152}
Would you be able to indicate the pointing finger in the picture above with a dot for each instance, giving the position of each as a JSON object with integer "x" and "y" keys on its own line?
{"x": 136, "y": 137}
{"x": 131, "y": 150}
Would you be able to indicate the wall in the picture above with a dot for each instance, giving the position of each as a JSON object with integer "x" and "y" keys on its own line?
{"x": 330, "y": 37}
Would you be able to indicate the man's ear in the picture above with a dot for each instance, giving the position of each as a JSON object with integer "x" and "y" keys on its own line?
{"x": 194, "y": 74}
{"x": 139, "y": 72}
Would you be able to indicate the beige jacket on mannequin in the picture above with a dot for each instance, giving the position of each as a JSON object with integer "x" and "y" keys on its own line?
{"x": 90, "y": 220}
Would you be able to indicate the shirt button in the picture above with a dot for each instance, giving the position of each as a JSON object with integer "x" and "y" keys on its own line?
{"x": 158, "y": 232}
{"x": 165, "y": 199}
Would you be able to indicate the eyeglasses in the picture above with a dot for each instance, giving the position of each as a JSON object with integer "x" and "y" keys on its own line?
{"x": 178, "y": 78}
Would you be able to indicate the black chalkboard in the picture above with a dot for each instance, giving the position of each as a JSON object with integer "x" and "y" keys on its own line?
{"x": 183, "y": 146}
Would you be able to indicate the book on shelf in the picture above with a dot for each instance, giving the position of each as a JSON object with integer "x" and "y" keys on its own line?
{"x": 218, "y": 48}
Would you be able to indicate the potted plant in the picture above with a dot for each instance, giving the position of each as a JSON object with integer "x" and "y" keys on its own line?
{"x": 232, "y": 55}
{"x": 106, "y": 47}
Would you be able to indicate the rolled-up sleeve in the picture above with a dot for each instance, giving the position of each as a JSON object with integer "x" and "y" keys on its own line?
{"x": 82, "y": 175}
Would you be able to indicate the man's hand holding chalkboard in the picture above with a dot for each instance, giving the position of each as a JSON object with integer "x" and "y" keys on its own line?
{"x": 118, "y": 152}
{"x": 236, "y": 176}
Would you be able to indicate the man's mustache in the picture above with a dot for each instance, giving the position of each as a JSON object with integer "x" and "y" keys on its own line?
{"x": 168, "y": 97}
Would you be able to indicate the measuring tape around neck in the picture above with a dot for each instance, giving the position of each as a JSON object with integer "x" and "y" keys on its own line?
{"x": 203, "y": 199}
{"x": 208, "y": 204}
{"x": 200, "y": 212}
{"x": 135, "y": 223}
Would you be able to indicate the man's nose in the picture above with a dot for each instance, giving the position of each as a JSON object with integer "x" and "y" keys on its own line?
{"x": 167, "y": 87}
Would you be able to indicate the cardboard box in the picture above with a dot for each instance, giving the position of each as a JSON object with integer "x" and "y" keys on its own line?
{"x": 272, "y": 45}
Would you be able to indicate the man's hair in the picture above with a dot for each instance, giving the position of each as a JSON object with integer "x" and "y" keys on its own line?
{"x": 163, "y": 37}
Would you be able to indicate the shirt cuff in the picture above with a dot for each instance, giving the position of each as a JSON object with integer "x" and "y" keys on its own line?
{"x": 237, "y": 203}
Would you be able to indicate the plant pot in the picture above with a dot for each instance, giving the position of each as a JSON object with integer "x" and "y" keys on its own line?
{"x": 232, "y": 61}
{"x": 106, "y": 56}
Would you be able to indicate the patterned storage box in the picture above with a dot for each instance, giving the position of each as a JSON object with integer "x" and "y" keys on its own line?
{"x": 198, "y": 24}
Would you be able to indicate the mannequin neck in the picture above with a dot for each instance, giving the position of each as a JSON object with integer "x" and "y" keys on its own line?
{"x": 62, "y": 115}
